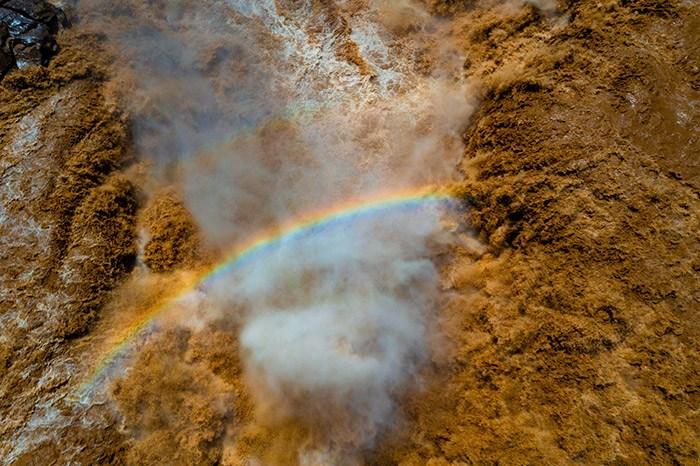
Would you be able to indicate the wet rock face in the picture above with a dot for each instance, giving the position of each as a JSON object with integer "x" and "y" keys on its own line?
{"x": 27, "y": 32}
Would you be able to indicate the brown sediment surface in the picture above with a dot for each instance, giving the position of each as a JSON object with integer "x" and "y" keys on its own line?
{"x": 172, "y": 239}
{"x": 179, "y": 404}
{"x": 67, "y": 230}
{"x": 572, "y": 338}
{"x": 576, "y": 335}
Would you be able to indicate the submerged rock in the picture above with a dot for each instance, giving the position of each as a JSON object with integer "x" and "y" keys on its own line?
{"x": 28, "y": 31}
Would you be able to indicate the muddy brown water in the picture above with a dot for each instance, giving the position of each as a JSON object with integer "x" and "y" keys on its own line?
{"x": 568, "y": 314}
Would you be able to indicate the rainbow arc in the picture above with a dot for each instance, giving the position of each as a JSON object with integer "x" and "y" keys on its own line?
{"x": 259, "y": 244}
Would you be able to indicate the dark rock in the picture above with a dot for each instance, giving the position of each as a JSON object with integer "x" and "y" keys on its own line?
{"x": 28, "y": 31}
{"x": 40, "y": 11}
{"x": 7, "y": 60}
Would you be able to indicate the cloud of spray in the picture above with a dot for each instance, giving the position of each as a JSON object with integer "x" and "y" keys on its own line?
{"x": 548, "y": 6}
{"x": 349, "y": 326}
{"x": 401, "y": 15}
{"x": 258, "y": 111}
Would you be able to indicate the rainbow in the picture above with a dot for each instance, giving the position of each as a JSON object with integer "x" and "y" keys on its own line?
{"x": 260, "y": 243}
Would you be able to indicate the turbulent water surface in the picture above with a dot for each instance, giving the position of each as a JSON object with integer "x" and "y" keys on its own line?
{"x": 352, "y": 232}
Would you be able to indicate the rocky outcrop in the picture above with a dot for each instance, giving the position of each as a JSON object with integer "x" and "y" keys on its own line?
{"x": 28, "y": 31}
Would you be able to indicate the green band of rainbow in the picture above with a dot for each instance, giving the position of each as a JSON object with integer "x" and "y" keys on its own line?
{"x": 259, "y": 244}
